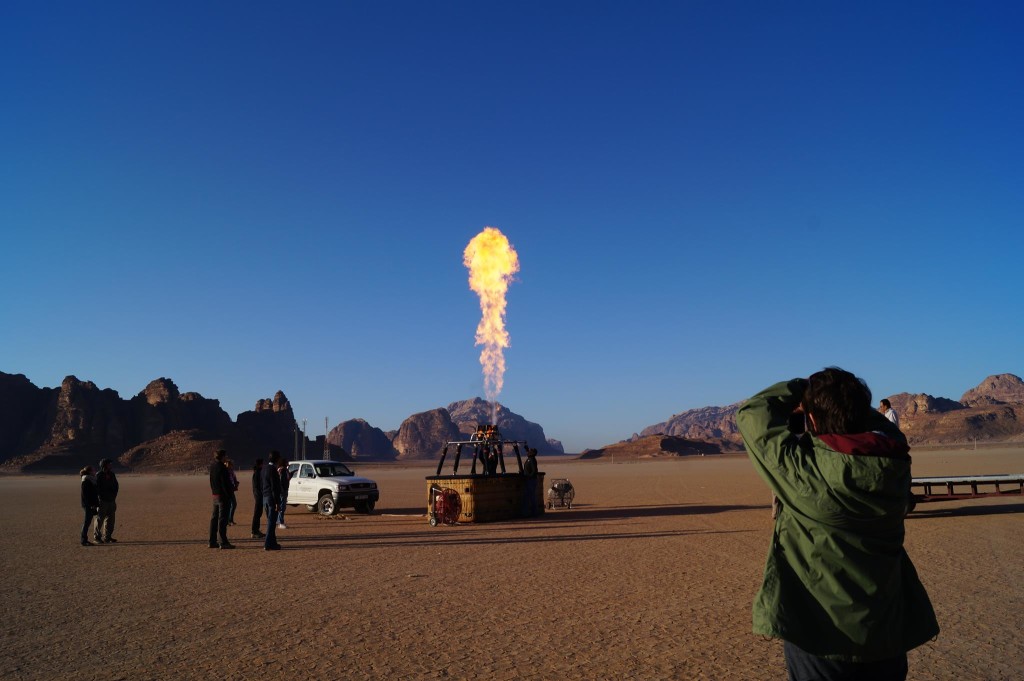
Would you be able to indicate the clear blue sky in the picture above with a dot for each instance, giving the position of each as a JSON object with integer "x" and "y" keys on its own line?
{"x": 705, "y": 197}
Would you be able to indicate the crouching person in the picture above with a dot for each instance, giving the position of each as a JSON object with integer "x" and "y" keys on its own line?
{"x": 839, "y": 589}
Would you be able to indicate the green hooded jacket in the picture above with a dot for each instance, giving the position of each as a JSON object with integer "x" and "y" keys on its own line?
{"x": 838, "y": 582}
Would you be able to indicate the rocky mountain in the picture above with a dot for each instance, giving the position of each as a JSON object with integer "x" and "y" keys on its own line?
{"x": 652, "y": 446}
{"x": 362, "y": 441}
{"x": 158, "y": 429}
{"x": 999, "y": 389}
{"x": 993, "y": 411}
{"x": 468, "y": 414}
{"x": 421, "y": 436}
{"x": 708, "y": 424}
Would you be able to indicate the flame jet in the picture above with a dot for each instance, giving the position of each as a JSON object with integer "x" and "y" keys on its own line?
{"x": 492, "y": 262}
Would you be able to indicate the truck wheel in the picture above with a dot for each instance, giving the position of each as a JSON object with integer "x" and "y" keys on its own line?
{"x": 433, "y": 521}
{"x": 326, "y": 505}
{"x": 364, "y": 507}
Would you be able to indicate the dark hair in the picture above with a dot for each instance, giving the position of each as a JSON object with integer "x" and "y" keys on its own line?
{"x": 219, "y": 454}
{"x": 839, "y": 401}
{"x": 259, "y": 464}
{"x": 886, "y": 403}
{"x": 274, "y": 456}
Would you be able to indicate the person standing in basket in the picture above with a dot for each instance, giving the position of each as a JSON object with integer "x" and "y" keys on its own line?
{"x": 257, "y": 497}
{"x": 270, "y": 485}
{"x": 90, "y": 502}
{"x": 220, "y": 487}
{"x": 106, "y": 488}
{"x": 839, "y": 588}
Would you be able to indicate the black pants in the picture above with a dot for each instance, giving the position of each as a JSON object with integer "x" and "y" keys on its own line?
{"x": 219, "y": 520}
{"x": 803, "y": 666}
{"x": 90, "y": 513}
{"x": 257, "y": 513}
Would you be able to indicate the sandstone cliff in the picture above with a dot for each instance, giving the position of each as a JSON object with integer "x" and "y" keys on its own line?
{"x": 998, "y": 389}
{"x": 708, "y": 424}
{"x": 421, "y": 436}
{"x": 468, "y": 414}
{"x": 361, "y": 440}
{"x": 652, "y": 446}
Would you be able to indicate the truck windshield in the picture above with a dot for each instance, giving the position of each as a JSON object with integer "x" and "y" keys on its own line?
{"x": 330, "y": 470}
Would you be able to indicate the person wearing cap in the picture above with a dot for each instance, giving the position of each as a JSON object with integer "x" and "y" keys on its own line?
{"x": 106, "y": 488}
{"x": 220, "y": 486}
{"x": 90, "y": 500}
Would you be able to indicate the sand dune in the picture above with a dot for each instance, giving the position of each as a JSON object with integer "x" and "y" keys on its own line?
{"x": 649, "y": 576}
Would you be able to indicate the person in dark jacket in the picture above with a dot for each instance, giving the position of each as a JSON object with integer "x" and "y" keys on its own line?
{"x": 220, "y": 486}
{"x": 839, "y": 588}
{"x": 285, "y": 476}
{"x": 530, "y": 484}
{"x": 257, "y": 497}
{"x": 270, "y": 486}
{"x": 106, "y": 487}
{"x": 90, "y": 501}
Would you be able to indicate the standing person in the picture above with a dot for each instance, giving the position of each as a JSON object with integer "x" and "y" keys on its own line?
{"x": 839, "y": 588}
{"x": 106, "y": 488}
{"x": 530, "y": 484}
{"x": 90, "y": 502}
{"x": 230, "y": 465}
{"x": 257, "y": 496}
{"x": 285, "y": 475}
{"x": 886, "y": 410}
{"x": 270, "y": 486}
{"x": 220, "y": 486}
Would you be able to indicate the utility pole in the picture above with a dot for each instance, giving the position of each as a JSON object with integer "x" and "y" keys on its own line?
{"x": 295, "y": 432}
{"x": 327, "y": 449}
{"x": 303, "y": 439}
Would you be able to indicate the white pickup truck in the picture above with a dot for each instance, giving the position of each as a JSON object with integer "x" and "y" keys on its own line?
{"x": 326, "y": 486}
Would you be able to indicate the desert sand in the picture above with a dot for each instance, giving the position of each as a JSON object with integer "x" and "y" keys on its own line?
{"x": 650, "y": 576}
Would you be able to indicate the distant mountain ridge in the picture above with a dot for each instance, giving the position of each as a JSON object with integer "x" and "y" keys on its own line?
{"x": 163, "y": 429}
{"x": 991, "y": 411}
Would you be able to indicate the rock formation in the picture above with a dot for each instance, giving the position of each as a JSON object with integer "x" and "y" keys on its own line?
{"x": 467, "y": 414}
{"x": 652, "y": 446}
{"x": 421, "y": 436}
{"x": 361, "y": 440}
{"x": 708, "y": 424}
{"x": 998, "y": 389}
{"x": 270, "y": 425}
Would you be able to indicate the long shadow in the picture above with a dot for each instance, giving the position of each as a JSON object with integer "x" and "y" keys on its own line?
{"x": 965, "y": 511}
{"x": 592, "y": 512}
{"x": 457, "y": 540}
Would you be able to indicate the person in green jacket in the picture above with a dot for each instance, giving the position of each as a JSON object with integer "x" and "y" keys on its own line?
{"x": 839, "y": 589}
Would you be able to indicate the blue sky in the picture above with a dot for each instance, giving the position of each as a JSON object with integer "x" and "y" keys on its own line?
{"x": 706, "y": 197}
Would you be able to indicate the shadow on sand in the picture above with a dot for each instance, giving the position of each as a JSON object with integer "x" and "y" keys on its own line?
{"x": 964, "y": 511}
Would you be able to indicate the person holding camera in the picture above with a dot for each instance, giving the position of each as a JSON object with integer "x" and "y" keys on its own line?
{"x": 839, "y": 588}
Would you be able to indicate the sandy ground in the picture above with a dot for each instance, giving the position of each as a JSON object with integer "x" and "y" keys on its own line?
{"x": 650, "y": 576}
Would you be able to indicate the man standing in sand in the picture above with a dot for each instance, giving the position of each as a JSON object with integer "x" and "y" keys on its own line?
{"x": 271, "y": 487}
{"x": 106, "y": 487}
{"x": 839, "y": 588}
{"x": 886, "y": 410}
{"x": 530, "y": 484}
{"x": 220, "y": 486}
{"x": 257, "y": 496}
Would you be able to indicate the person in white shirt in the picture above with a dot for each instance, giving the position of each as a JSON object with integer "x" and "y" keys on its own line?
{"x": 885, "y": 408}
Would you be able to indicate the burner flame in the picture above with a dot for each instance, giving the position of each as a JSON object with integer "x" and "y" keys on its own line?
{"x": 492, "y": 264}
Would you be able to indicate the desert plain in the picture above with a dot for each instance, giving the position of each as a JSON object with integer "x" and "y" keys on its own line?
{"x": 649, "y": 576}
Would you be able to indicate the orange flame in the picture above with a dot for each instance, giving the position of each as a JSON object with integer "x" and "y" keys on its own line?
{"x": 492, "y": 262}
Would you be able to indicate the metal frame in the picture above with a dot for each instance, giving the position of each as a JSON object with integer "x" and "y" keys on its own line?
{"x": 978, "y": 486}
